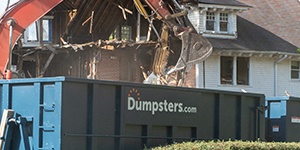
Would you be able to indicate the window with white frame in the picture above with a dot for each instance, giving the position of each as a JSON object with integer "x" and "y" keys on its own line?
{"x": 31, "y": 36}
{"x": 234, "y": 70}
{"x": 223, "y": 22}
{"x": 218, "y": 23}
{"x": 295, "y": 69}
{"x": 210, "y": 21}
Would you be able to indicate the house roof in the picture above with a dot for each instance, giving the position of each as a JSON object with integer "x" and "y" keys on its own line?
{"x": 223, "y": 2}
{"x": 267, "y": 26}
{"x": 254, "y": 37}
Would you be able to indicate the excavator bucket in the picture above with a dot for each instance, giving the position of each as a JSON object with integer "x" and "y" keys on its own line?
{"x": 195, "y": 49}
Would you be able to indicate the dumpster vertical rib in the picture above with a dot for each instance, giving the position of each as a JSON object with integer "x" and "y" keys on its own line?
{"x": 58, "y": 98}
{"x": 118, "y": 117}
{"x": 90, "y": 98}
{"x": 217, "y": 116}
{"x": 170, "y": 134}
{"x": 238, "y": 117}
{"x": 144, "y": 134}
{"x": 37, "y": 121}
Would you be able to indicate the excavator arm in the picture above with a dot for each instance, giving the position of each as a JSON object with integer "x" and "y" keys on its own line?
{"x": 15, "y": 20}
{"x": 194, "y": 47}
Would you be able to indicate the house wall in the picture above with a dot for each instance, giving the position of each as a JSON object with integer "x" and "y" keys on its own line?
{"x": 284, "y": 80}
{"x": 261, "y": 77}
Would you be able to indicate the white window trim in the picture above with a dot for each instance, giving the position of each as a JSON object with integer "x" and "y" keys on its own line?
{"x": 232, "y": 24}
{"x": 27, "y": 43}
{"x": 230, "y": 30}
{"x": 234, "y": 74}
{"x": 294, "y": 79}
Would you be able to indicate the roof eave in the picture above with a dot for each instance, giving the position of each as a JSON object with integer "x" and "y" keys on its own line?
{"x": 223, "y": 7}
{"x": 254, "y": 53}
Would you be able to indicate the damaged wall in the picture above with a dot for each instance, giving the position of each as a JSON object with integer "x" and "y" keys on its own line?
{"x": 121, "y": 64}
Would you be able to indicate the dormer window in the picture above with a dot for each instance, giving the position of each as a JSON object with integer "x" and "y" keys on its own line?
{"x": 217, "y": 22}
{"x": 216, "y": 19}
{"x": 220, "y": 23}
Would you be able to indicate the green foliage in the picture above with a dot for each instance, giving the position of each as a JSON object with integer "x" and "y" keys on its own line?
{"x": 230, "y": 145}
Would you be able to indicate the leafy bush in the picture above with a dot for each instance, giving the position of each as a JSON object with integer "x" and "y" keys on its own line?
{"x": 230, "y": 145}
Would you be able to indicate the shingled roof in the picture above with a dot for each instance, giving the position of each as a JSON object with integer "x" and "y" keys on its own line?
{"x": 223, "y": 2}
{"x": 267, "y": 26}
{"x": 255, "y": 38}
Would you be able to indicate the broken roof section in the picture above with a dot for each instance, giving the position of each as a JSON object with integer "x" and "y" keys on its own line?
{"x": 94, "y": 19}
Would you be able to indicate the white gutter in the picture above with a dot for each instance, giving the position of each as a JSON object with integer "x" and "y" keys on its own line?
{"x": 200, "y": 83}
{"x": 138, "y": 29}
{"x": 197, "y": 75}
{"x": 275, "y": 72}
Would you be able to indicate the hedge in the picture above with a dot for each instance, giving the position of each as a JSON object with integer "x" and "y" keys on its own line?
{"x": 230, "y": 145}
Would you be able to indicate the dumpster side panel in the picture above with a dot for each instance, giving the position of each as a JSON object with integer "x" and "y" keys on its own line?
{"x": 228, "y": 116}
{"x": 104, "y": 116}
{"x": 293, "y": 121}
{"x": 74, "y": 115}
{"x": 248, "y": 118}
{"x": 209, "y": 102}
{"x": 89, "y": 116}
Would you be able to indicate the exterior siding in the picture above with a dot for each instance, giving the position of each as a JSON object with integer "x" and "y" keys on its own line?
{"x": 261, "y": 76}
{"x": 284, "y": 80}
{"x": 194, "y": 17}
{"x": 212, "y": 72}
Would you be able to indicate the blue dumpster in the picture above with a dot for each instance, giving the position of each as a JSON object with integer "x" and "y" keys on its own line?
{"x": 70, "y": 114}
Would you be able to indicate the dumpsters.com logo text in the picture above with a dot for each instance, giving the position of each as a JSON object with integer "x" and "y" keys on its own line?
{"x": 134, "y": 103}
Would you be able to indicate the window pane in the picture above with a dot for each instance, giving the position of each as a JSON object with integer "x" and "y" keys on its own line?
{"x": 226, "y": 69}
{"x": 224, "y": 26}
{"x": 295, "y": 74}
{"x": 295, "y": 65}
{"x": 46, "y": 30}
{"x": 223, "y": 17}
{"x": 242, "y": 70}
{"x": 113, "y": 35}
{"x": 32, "y": 32}
{"x": 295, "y": 69}
{"x": 126, "y": 32}
{"x": 210, "y": 21}
{"x": 210, "y": 25}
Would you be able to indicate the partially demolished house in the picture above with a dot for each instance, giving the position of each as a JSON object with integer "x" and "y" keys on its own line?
{"x": 109, "y": 40}
{"x": 94, "y": 39}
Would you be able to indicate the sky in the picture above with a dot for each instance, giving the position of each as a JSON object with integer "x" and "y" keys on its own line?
{"x": 3, "y": 4}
